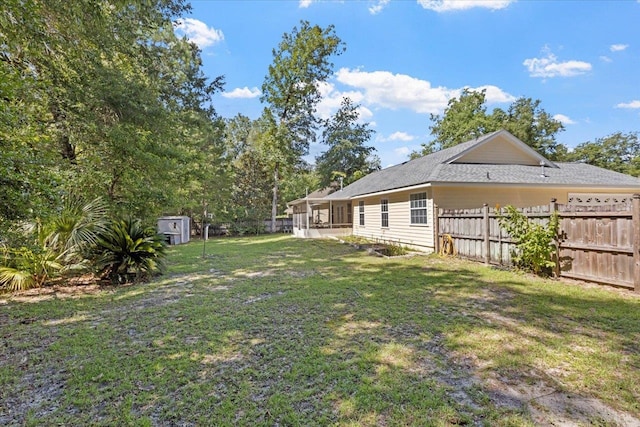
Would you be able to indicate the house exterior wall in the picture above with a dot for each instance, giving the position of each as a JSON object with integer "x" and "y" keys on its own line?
{"x": 400, "y": 229}
{"x": 422, "y": 237}
{"x": 467, "y": 197}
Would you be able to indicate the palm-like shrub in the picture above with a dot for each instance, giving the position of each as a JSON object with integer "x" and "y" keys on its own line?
{"x": 27, "y": 268}
{"x": 128, "y": 251}
{"x": 76, "y": 228}
{"x": 55, "y": 246}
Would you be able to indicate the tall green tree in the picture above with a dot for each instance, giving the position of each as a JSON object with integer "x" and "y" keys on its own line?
{"x": 618, "y": 152}
{"x": 466, "y": 118}
{"x": 99, "y": 97}
{"x": 249, "y": 197}
{"x": 206, "y": 175}
{"x": 348, "y": 155}
{"x": 290, "y": 91}
{"x": 301, "y": 182}
{"x": 527, "y": 121}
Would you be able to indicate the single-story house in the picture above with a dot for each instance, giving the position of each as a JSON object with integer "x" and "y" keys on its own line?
{"x": 397, "y": 203}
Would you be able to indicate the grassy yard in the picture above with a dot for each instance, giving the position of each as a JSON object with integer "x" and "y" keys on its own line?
{"x": 277, "y": 331}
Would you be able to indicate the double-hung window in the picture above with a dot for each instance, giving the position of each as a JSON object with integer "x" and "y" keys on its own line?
{"x": 418, "y": 203}
{"x": 384, "y": 212}
{"x": 361, "y": 212}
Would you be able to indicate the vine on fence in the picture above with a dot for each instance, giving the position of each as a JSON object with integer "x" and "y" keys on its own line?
{"x": 534, "y": 249}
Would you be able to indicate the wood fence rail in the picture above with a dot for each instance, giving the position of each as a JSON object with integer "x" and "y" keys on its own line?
{"x": 598, "y": 244}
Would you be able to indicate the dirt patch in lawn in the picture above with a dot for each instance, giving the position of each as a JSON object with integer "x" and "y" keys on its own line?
{"x": 463, "y": 375}
{"x": 550, "y": 406}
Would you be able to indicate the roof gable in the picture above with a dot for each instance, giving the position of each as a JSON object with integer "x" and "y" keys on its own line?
{"x": 500, "y": 148}
{"x": 493, "y": 159}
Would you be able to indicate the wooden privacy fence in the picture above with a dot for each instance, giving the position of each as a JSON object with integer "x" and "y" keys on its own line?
{"x": 598, "y": 244}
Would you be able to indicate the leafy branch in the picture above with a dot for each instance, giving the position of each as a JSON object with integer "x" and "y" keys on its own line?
{"x": 534, "y": 249}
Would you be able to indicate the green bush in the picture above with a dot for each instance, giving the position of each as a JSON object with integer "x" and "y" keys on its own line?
{"x": 127, "y": 251}
{"x": 56, "y": 245}
{"x": 242, "y": 228}
{"x": 27, "y": 268}
{"x": 534, "y": 249}
{"x": 392, "y": 249}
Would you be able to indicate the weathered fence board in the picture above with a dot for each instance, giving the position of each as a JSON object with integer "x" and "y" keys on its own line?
{"x": 595, "y": 243}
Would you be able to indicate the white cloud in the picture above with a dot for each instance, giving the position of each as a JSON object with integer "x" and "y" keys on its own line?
{"x": 304, "y": 3}
{"x": 394, "y": 91}
{"x": 402, "y": 151}
{"x": 243, "y": 92}
{"x": 495, "y": 95}
{"x": 376, "y": 8}
{"x": 198, "y": 32}
{"x": 632, "y": 104}
{"x": 550, "y": 67}
{"x": 332, "y": 98}
{"x": 400, "y": 136}
{"x": 450, "y": 5}
{"x": 564, "y": 119}
{"x": 604, "y": 58}
{"x": 618, "y": 47}
{"x": 364, "y": 114}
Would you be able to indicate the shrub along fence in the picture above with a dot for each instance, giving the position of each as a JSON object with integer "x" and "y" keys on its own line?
{"x": 598, "y": 244}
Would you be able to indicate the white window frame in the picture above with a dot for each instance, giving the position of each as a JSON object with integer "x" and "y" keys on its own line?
{"x": 384, "y": 213}
{"x": 418, "y": 208}
{"x": 361, "y": 213}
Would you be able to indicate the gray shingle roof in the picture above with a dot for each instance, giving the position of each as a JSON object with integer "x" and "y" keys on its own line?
{"x": 435, "y": 168}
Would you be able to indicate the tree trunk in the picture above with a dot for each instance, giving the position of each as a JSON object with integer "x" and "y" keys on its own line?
{"x": 274, "y": 201}
{"x": 67, "y": 150}
{"x": 111, "y": 192}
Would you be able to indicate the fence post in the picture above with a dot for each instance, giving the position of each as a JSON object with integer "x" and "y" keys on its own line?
{"x": 553, "y": 208}
{"x": 636, "y": 241}
{"x": 487, "y": 242}
{"x": 436, "y": 228}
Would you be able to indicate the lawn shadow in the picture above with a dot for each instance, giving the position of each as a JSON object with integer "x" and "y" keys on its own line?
{"x": 293, "y": 332}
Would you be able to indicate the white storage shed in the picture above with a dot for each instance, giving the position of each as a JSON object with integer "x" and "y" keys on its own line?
{"x": 176, "y": 229}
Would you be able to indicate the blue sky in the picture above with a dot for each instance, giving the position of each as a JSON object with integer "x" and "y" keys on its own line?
{"x": 405, "y": 59}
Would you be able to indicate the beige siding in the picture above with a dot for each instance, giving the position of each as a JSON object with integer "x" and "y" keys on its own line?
{"x": 498, "y": 152}
{"x": 400, "y": 230}
{"x": 421, "y": 237}
{"x": 476, "y": 196}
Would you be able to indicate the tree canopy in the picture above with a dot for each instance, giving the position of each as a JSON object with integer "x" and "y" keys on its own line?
{"x": 103, "y": 99}
{"x": 99, "y": 96}
{"x": 619, "y": 152}
{"x": 347, "y": 156}
{"x": 290, "y": 92}
{"x": 466, "y": 118}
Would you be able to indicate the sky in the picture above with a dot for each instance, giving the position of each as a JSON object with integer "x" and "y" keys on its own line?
{"x": 405, "y": 59}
